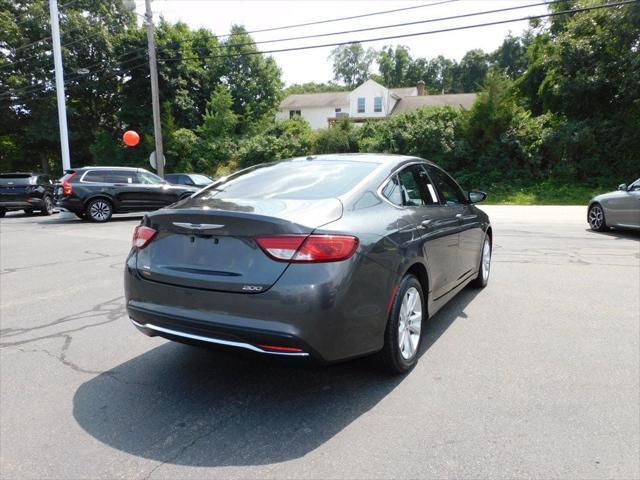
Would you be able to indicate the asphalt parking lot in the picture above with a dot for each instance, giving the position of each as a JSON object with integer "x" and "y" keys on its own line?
{"x": 535, "y": 376}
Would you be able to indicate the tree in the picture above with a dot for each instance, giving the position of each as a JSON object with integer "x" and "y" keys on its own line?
{"x": 351, "y": 64}
{"x": 394, "y": 65}
{"x": 472, "y": 70}
{"x": 511, "y": 55}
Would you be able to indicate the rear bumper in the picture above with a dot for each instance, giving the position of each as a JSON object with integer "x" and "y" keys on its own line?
{"x": 324, "y": 312}
{"x": 21, "y": 204}
{"x": 70, "y": 204}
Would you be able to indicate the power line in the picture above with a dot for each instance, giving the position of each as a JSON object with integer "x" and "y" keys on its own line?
{"x": 265, "y": 29}
{"x": 308, "y": 47}
{"x": 407, "y": 35}
{"x": 319, "y": 22}
{"x": 383, "y": 27}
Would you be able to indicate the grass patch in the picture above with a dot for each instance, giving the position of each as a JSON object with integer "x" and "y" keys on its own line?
{"x": 544, "y": 193}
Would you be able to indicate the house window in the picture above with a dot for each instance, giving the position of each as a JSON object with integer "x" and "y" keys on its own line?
{"x": 377, "y": 104}
{"x": 294, "y": 113}
{"x": 338, "y": 110}
{"x": 360, "y": 104}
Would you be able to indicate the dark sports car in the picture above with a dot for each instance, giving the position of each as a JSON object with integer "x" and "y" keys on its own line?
{"x": 328, "y": 257}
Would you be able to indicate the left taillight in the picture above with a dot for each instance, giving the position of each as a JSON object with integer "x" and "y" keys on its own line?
{"x": 142, "y": 236}
{"x": 308, "y": 249}
{"x": 67, "y": 188}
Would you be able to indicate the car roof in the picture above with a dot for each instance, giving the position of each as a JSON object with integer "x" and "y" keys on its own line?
{"x": 383, "y": 159}
{"x": 130, "y": 169}
{"x": 31, "y": 174}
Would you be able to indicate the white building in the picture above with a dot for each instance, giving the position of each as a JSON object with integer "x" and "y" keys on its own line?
{"x": 368, "y": 101}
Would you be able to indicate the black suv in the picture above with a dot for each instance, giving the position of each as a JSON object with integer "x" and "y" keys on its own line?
{"x": 26, "y": 191}
{"x": 96, "y": 193}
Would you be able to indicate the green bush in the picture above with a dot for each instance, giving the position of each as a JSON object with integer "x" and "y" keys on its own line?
{"x": 283, "y": 139}
{"x": 341, "y": 138}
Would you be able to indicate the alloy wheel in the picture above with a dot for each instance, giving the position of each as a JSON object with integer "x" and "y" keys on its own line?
{"x": 486, "y": 260}
{"x": 100, "y": 210}
{"x": 410, "y": 323}
{"x": 596, "y": 217}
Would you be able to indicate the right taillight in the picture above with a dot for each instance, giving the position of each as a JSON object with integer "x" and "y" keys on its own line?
{"x": 67, "y": 188}
{"x": 308, "y": 249}
{"x": 142, "y": 236}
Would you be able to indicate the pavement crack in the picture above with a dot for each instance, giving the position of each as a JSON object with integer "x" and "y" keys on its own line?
{"x": 113, "y": 309}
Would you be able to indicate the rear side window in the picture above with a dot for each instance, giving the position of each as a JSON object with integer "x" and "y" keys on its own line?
{"x": 122, "y": 176}
{"x": 294, "y": 179}
{"x": 96, "y": 176}
{"x": 391, "y": 191}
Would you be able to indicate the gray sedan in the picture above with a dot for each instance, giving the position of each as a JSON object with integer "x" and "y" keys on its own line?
{"x": 326, "y": 257}
{"x": 619, "y": 209}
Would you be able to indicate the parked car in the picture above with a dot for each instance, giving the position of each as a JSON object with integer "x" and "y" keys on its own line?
{"x": 620, "y": 209}
{"x": 328, "y": 257}
{"x": 26, "y": 191}
{"x": 192, "y": 179}
{"x": 96, "y": 193}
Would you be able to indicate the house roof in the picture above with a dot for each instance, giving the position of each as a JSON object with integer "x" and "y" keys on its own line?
{"x": 404, "y": 92}
{"x": 461, "y": 100}
{"x": 307, "y": 100}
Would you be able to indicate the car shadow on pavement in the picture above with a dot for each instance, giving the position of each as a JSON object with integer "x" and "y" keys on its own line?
{"x": 618, "y": 233}
{"x": 191, "y": 406}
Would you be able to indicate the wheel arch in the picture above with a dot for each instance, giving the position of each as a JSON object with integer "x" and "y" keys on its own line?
{"x": 419, "y": 270}
{"x": 102, "y": 196}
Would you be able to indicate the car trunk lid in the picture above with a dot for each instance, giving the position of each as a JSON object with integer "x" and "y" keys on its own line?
{"x": 210, "y": 243}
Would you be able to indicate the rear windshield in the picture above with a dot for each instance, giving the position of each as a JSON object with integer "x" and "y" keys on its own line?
{"x": 200, "y": 179}
{"x": 297, "y": 179}
{"x": 17, "y": 179}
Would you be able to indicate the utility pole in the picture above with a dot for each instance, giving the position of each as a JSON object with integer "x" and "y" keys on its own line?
{"x": 155, "y": 95}
{"x": 62, "y": 108}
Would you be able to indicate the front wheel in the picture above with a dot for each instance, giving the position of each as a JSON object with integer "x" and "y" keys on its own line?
{"x": 404, "y": 327}
{"x": 99, "y": 210}
{"x": 596, "y": 219}
{"x": 482, "y": 279}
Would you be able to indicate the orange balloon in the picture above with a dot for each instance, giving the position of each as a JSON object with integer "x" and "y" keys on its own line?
{"x": 131, "y": 138}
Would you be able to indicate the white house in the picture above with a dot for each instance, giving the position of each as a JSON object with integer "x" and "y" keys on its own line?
{"x": 368, "y": 101}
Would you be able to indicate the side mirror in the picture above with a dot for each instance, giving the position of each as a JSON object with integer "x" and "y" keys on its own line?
{"x": 623, "y": 187}
{"x": 476, "y": 197}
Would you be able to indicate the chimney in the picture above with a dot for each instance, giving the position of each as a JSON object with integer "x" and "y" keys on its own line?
{"x": 420, "y": 88}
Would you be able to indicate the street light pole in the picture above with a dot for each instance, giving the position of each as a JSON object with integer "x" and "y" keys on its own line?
{"x": 62, "y": 108}
{"x": 155, "y": 96}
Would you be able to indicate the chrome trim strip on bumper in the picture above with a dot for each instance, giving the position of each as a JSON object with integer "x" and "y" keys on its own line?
{"x": 217, "y": 341}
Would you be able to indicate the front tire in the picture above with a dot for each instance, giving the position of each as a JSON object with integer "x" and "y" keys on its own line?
{"x": 403, "y": 335}
{"x": 99, "y": 210}
{"x": 482, "y": 279}
{"x": 596, "y": 219}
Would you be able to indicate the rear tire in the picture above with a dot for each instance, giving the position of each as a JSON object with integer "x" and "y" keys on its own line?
{"x": 596, "y": 219}
{"x": 99, "y": 210}
{"x": 403, "y": 335}
{"x": 47, "y": 208}
{"x": 482, "y": 279}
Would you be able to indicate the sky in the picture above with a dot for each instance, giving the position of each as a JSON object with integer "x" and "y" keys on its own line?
{"x": 314, "y": 65}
